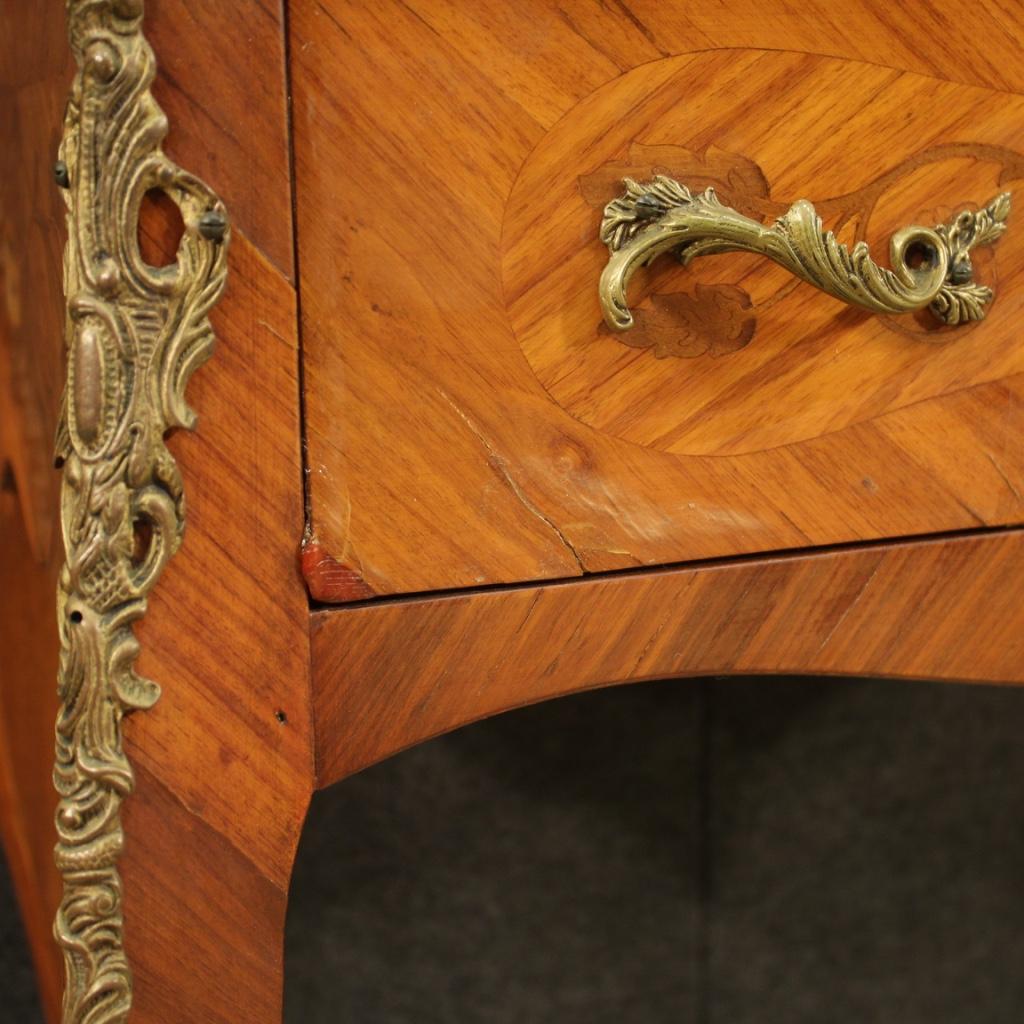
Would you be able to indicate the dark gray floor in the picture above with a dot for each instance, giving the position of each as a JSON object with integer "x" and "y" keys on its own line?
{"x": 868, "y": 852}
{"x": 841, "y": 852}
{"x": 538, "y": 867}
{"x": 836, "y": 852}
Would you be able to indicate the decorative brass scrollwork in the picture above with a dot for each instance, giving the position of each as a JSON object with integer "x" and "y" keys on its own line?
{"x": 664, "y": 216}
{"x": 135, "y": 333}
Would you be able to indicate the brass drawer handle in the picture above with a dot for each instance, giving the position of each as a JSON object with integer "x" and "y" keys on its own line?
{"x": 665, "y": 216}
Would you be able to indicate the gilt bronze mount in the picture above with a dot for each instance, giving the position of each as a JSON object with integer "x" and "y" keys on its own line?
{"x": 135, "y": 333}
{"x": 931, "y": 267}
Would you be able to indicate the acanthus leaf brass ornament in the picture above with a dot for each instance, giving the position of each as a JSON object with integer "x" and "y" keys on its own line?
{"x": 135, "y": 333}
{"x": 663, "y": 216}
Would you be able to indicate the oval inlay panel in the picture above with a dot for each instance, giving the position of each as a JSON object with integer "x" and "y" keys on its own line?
{"x": 732, "y": 355}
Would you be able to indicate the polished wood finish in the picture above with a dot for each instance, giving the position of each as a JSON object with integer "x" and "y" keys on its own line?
{"x": 470, "y": 421}
{"x": 469, "y": 425}
{"x": 213, "y": 826}
{"x": 221, "y": 83}
{"x": 391, "y": 674}
{"x": 35, "y": 69}
{"x": 224, "y": 759}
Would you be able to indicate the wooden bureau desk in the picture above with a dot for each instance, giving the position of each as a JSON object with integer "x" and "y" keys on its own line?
{"x": 443, "y": 462}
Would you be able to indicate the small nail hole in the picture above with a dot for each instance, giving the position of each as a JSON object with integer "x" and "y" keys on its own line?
{"x": 281, "y": 717}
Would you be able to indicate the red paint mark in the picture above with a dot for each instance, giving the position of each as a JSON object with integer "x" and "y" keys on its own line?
{"x": 327, "y": 579}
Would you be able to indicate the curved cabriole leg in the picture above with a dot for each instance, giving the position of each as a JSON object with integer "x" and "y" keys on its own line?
{"x": 134, "y": 334}
{"x": 206, "y": 923}
{"x": 223, "y": 763}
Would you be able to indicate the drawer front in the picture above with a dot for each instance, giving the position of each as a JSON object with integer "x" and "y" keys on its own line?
{"x": 472, "y": 419}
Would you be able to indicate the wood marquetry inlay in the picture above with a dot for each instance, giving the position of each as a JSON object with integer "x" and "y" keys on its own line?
{"x": 785, "y": 350}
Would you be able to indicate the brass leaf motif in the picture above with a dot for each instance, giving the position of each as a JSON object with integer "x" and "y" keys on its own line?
{"x": 135, "y": 334}
{"x": 663, "y": 215}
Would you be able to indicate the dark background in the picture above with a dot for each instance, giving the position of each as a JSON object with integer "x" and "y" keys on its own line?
{"x": 736, "y": 851}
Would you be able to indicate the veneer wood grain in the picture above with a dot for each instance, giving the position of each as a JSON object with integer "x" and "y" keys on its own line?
{"x": 35, "y": 69}
{"x": 469, "y": 420}
{"x": 224, "y": 758}
{"x": 221, "y": 82}
{"x": 469, "y": 426}
{"x": 387, "y": 675}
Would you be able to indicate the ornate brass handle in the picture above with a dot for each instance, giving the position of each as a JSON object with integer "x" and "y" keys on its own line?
{"x": 664, "y": 216}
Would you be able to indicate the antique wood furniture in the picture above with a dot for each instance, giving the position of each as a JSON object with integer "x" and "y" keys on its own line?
{"x": 431, "y": 481}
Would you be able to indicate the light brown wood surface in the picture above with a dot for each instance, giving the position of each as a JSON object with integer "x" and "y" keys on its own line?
{"x": 391, "y": 674}
{"x": 469, "y": 420}
{"x": 221, "y": 84}
{"x": 469, "y": 425}
{"x": 224, "y": 759}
